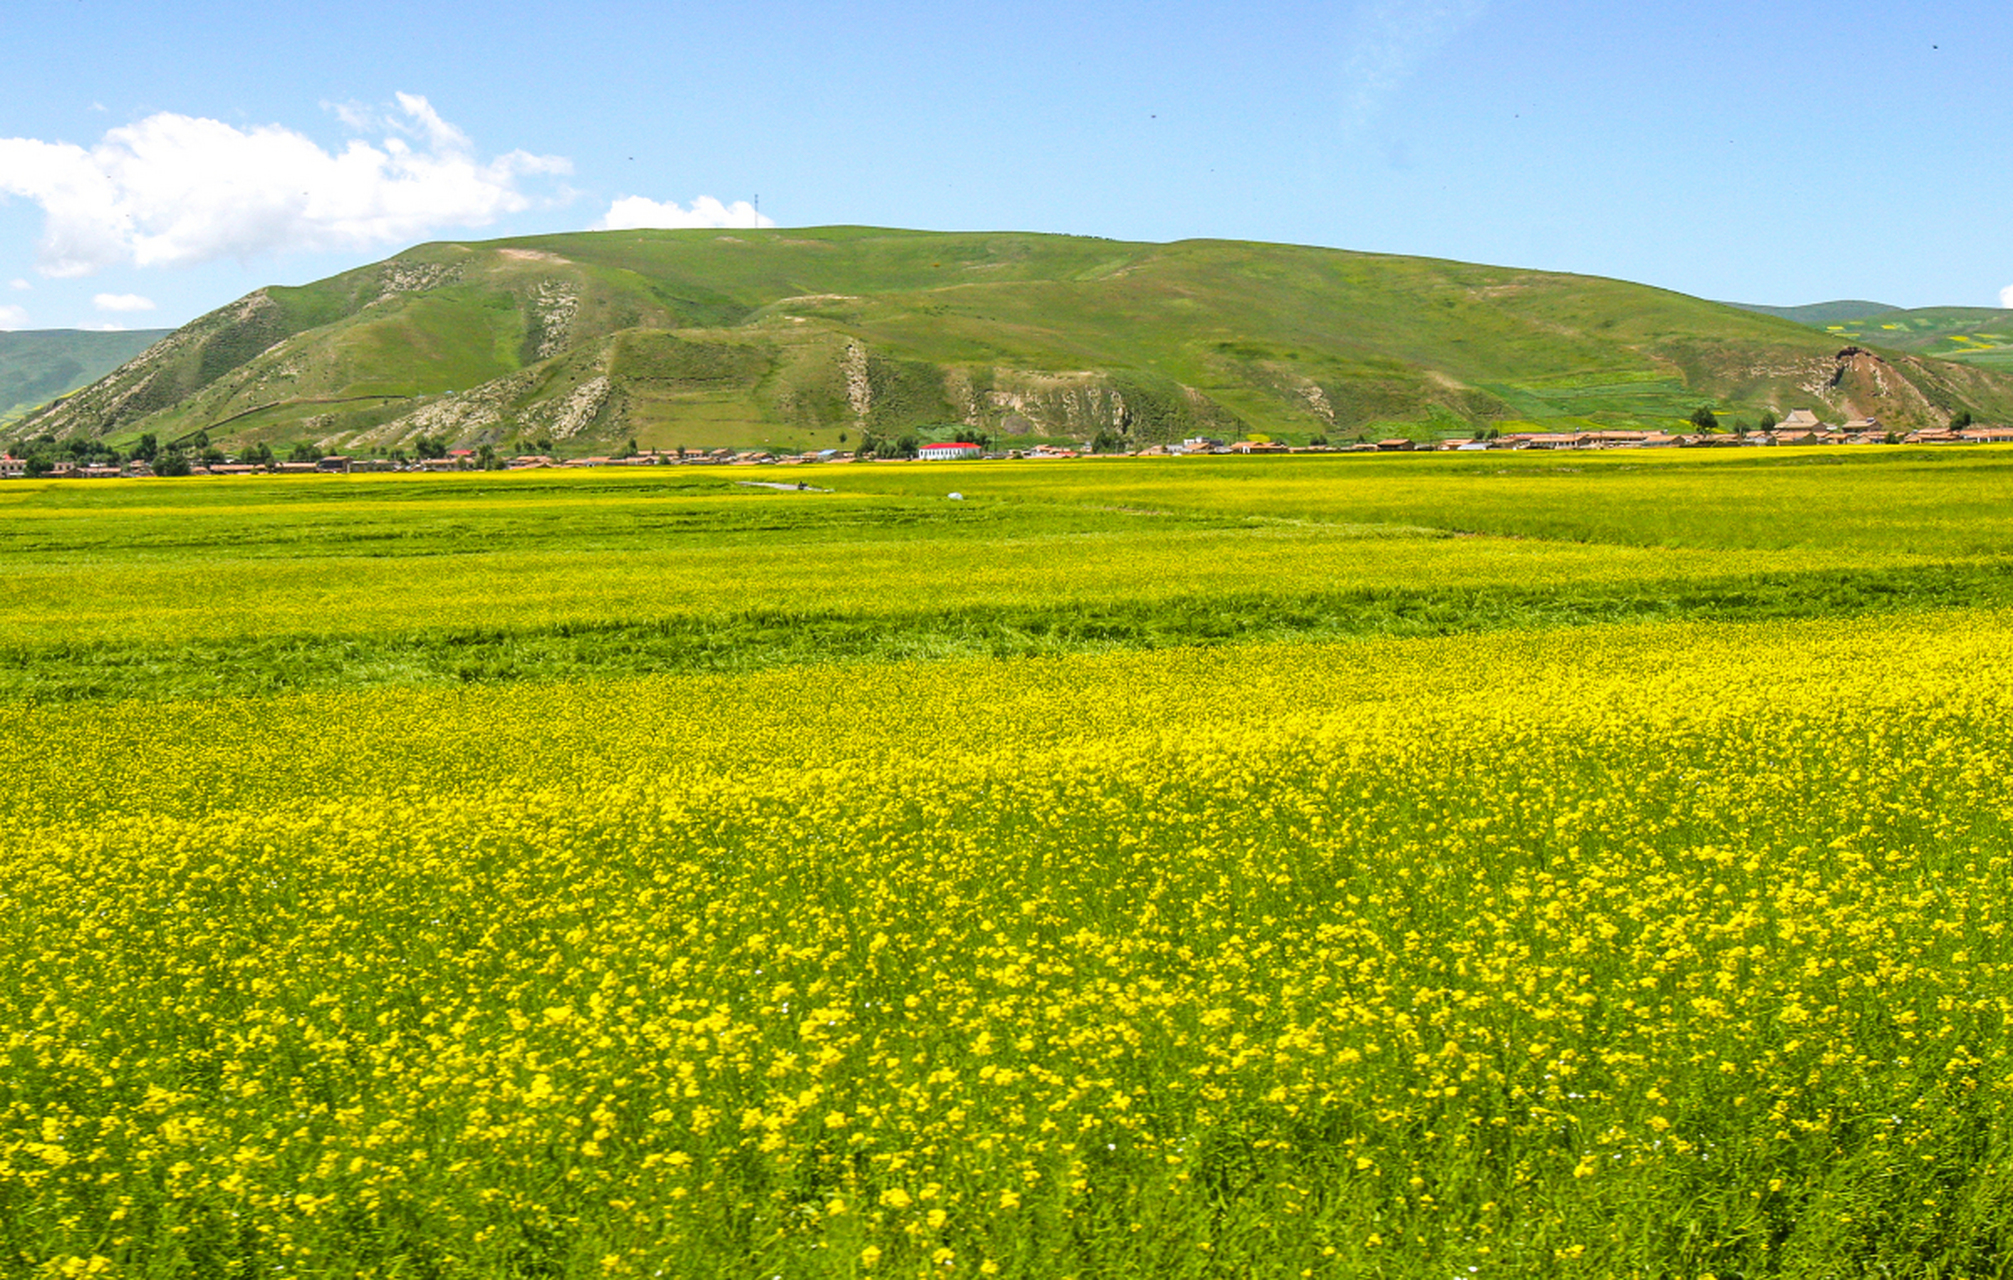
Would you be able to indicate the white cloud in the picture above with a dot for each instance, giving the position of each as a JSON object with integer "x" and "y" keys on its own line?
{"x": 2006, "y": 297}
{"x": 13, "y": 317}
{"x": 1390, "y": 40}
{"x": 357, "y": 116}
{"x": 18, "y": 283}
{"x": 632, "y": 213}
{"x": 122, "y": 302}
{"x": 174, "y": 190}
{"x": 414, "y": 118}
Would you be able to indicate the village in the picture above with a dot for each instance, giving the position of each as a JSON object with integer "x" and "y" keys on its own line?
{"x": 1800, "y": 428}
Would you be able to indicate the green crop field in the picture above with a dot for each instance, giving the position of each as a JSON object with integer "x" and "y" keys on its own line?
{"x": 1354, "y": 865}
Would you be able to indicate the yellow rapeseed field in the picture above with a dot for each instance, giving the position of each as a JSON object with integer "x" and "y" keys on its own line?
{"x": 175, "y": 600}
{"x": 1667, "y": 950}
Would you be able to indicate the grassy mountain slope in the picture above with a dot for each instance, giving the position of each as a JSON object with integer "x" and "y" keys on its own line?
{"x": 1821, "y": 313}
{"x": 797, "y": 337}
{"x": 37, "y": 365}
{"x": 1977, "y": 336}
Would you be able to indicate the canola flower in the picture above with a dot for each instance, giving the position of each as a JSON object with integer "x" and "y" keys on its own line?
{"x": 235, "y": 599}
{"x": 254, "y": 558}
{"x": 1672, "y": 949}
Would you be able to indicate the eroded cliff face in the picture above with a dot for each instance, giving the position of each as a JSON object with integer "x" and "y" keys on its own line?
{"x": 1902, "y": 391}
{"x": 1863, "y": 384}
{"x": 843, "y": 383}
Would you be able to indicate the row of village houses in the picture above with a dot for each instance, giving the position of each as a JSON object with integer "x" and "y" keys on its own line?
{"x": 1800, "y": 428}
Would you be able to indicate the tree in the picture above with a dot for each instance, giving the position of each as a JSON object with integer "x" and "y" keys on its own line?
{"x": 1768, "y": 419}
{"x": 1704, "y": 418}
{"x": 86, "y": 452}
{"x": 430, "y": 447}
{"x": 629, "y": 450}
{"x": 147, "y": 447}
{"x": 260, "y": 454}
{"x": 1960, "y": 420}
{"x": 304, "y": 452}
{"x": 485, "y": 457}
{"x": 171, "y": 461}
{"x": 1317, "y": 439}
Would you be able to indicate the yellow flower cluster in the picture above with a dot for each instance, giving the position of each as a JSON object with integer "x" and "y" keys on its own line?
{"x": 175, "y": 601}
{"x": 264, "y": 558}
{"x": 1663, "y": 949}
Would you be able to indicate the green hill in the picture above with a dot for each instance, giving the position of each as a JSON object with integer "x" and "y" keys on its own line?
{"x": 1977, "y": 336}
{"x": 37, "y": 365}
{"x": 1820, "y": 314}
{"x": 806, "y": 338}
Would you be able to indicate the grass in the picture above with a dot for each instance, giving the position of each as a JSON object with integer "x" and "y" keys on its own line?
{"x": 1243, "y": 867}
{"x": 36, "y": 366}
{"x": 244, "y": 585}
{"x": 1977, "y": 336}
{"x": 437, "y": 343}
{"x": 758, "y": 638}
{"x": 1918, "y": 501}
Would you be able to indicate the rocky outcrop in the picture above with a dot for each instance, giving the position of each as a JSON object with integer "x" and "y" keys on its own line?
{"x": 1862, "y": 384}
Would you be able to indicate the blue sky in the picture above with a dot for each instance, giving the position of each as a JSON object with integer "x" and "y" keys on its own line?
{"x": 180, "y": 156}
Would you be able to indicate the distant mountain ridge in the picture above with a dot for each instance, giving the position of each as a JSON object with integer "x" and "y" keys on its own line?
{"x": 801, "y": 338}
{"x": 1820, "y": 313}
{"x": 1981, "y": 337}
{"x": 37, "y": 365}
